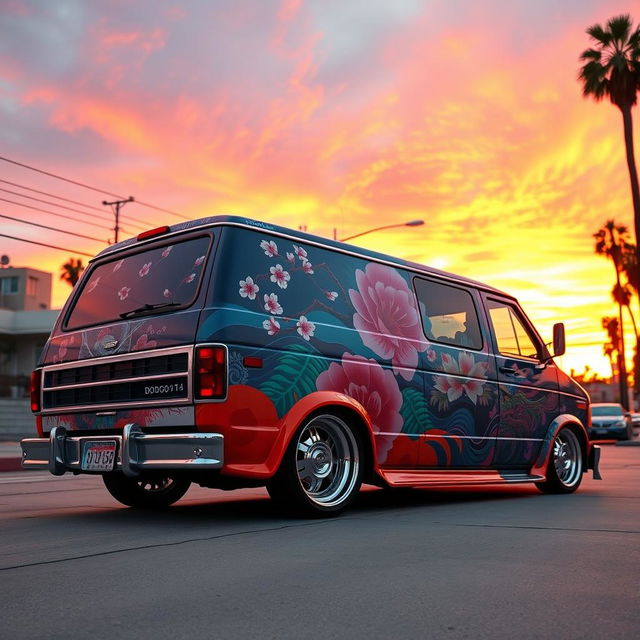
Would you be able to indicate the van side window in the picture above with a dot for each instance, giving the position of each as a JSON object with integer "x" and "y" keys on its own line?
{"x": 511, "y": 335}
{"x": 448, "y": 314}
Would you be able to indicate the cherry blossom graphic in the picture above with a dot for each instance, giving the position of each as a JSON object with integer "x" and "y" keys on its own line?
{"x": 305, "y": 328}
{"x": 307, "y": 267}
{"x": 269, "y": 247}
{"x": 123, "y": 294}
{"x": 431, "y": 355}
{"x": 280, "y": 276}
{"x": 386, "y": 317}
{"x": 291, "y": 258}
{"x": 300, "y": 252}
{"x": 271, "y": 304}
{"x": 199, "y": 261}
{"x": 167, "y": 251}
{"x": 117, "y": 265}
{"x": 375, "y": 389}
{"x": 167, "y": 294}
{"x": 93, "y": 284}
{"x": 145, "y": 269}
{"x": 248, "y": 288}
{"x": 190, "y": 278}
{"x": 271, "y": 325}
{"x": 143, "y": 342}
{"x": 331, "y": 295}
{"x": 455, "y": 387}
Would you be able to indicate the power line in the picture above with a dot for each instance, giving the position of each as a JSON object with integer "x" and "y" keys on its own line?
{"x": 51, "y": 195}
{"x": 53, "y": 213}
{"x": 131, "y": 220}
{"x": 43, "y": 244}
{"x": 86, "y": 186}
{"x": 44, "y": 226}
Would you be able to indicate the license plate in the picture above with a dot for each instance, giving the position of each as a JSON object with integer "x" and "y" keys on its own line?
{"x": 99, "y": 455}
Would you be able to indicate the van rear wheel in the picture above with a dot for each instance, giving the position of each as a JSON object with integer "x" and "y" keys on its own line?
{"x": 321, "y": 471}
{"x": 153, "y": 491}
{"x": 564, "y": 470}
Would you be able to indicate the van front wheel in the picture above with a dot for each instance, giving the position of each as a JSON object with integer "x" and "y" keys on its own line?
{"x": 151, "y": 491}
{"x": 321, "y": 471}
{"x": 564, "y": 470}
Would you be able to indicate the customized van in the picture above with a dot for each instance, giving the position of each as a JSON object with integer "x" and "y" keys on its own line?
{"x": 233, "y": 353}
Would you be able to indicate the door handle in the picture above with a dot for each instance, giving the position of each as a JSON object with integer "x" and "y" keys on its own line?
{"x": 507, "y": 370}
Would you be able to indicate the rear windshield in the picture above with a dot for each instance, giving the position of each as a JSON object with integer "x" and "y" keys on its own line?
{"x": 606, "y": 410}
{"x": 164, "y": 277}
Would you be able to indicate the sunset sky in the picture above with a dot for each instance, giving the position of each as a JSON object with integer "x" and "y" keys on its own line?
{"x": 345, "y": 114}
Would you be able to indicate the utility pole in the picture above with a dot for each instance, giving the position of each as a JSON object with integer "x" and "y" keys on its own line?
{"x": 115, "y": 206}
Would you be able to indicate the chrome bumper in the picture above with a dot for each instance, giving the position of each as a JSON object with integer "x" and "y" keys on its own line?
{"x": 136, "y": 451}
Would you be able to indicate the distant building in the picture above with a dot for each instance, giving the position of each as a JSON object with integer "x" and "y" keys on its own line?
{"x": 26, "y": 319}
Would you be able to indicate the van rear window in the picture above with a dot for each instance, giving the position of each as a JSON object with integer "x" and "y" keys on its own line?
{"x": 163, "y": 277}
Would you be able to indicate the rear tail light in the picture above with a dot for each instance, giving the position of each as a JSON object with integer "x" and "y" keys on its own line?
{"x": 210, "y": 373}
{"x": 34, "y": 390}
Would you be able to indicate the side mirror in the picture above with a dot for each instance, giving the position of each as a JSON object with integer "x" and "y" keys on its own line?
{"x": 559, "y": 344}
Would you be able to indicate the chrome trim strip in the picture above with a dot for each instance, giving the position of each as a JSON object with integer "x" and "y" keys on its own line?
{"x": 132, "y": 355}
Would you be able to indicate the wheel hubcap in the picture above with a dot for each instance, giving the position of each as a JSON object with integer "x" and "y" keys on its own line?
{"x": 567, "y": 458}
{"x": 327, "y": 460}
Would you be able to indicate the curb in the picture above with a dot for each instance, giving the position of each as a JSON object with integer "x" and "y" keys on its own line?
{"x": 628, "y": 443}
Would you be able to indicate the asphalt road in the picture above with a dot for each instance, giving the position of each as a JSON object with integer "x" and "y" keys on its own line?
{"x": 502, "y": 563}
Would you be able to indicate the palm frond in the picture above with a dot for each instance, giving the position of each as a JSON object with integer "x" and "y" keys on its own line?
{"x": 619, "y": 27}
{"x": 598, "y": 33}
{"x": 591, "y": 54}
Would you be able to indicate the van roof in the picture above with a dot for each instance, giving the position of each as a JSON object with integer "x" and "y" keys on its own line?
{"x": 240, "y": 221}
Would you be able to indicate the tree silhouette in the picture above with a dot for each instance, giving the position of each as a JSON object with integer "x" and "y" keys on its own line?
{"x": 612, "y": 69}
{"x": 71, "y": 271}
{"x": 612, "y": 241}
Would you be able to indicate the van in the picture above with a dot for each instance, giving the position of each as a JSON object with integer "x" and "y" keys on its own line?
{"x": 233, "y": 353}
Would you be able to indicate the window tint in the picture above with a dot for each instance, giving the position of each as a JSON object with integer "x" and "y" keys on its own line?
{"x": 511, "y": 335}
{"x": 163, "y": 276}
{"x": 448, "y": 314}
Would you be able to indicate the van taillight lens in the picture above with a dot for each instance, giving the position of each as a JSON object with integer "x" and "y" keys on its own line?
{"x": 34, "y": 390}
{"x": 210, "y": 373}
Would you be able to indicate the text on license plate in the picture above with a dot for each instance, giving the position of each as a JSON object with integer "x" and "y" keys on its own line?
{"x": 99, "y": 455}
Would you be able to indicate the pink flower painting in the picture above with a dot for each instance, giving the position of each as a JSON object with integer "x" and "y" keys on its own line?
{"x": 248, "y": 288}
{"x": 464, "y": 379}
{"x": 190, "y": 278}
{"x": 167, "y": 293}
{"x": 166, "y": 252}
{"x": 300, "y": 252}
{"x": 123, "y": 294}
{"x": 280, "y": 276}
{"x": 93, "y": 284}
{"x": 387, "y": 319}
{"x": 143, "y": 342}
{"x": 375, "y": 389}
{"x": 307, "y": 267}
{"x": 271, "y": 325}
{"x": 144, "y": 270}
{"x": 271, "y": 304}
{"x": 291, "y": 258}
{"x": 305, "y": 328}
{"x": 331, "y": 295}
{"x": 199, "y": 261}
{"x": 117, "y": 265}
{"x": 270, "y": 248}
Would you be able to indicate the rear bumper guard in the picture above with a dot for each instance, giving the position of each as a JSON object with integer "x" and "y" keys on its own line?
{"x": 137, "y": 452}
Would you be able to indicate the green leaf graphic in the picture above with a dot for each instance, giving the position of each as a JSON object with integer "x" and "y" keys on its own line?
{"x": 293, "y": 377}
{"x": 415, "y": 412}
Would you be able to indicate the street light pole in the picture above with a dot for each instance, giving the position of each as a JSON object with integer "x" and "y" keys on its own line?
{"x": 411, "y": 223}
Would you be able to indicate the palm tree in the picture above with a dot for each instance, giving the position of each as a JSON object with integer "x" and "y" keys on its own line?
{"x": 610, "y": 325}
{"x": 612, "y": 241}
{"x": 612, "y": 69}
{"x": 71, "y": 271}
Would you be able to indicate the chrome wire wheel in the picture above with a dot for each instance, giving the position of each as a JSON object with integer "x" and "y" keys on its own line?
{"x": 567, "y": 458}
{"x": 327, "y": 461}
